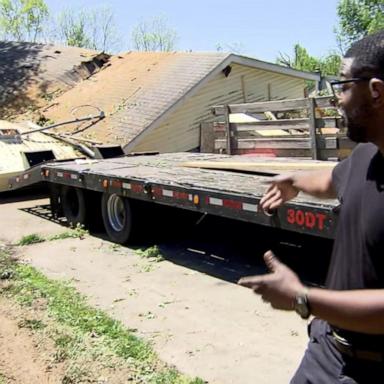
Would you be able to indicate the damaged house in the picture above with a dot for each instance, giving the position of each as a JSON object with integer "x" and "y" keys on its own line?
{"x": 157, "y": 101}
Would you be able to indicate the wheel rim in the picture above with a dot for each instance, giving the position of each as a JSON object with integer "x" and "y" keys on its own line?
{"x": 116, "y": 212}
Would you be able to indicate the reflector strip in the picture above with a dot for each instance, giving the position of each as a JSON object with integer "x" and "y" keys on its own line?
{"x": 116, "y": 183}
{"x": 182, "y": 195}
{"x": 250, "y": 207}
{"x": 127, "y": 185}
{"x": 157, "y": 191}
{"x": 214, "y": 201}
{"x": 233, "y": 204}
{"x": 137, "y": 188}
{"x": 167, "y": 192}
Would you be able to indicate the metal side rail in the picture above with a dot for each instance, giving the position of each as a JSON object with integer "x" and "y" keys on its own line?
{"x": 234, "y": 196}
{"x": 31, "y": 176}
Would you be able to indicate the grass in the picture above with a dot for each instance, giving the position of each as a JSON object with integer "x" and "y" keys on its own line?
{"x": 33, "y": 238}
{"x": 77, "y": 232}
{"x": 152, "y": 253}
{"x": 82, "y": 335}
{"x": 31, "y": 324}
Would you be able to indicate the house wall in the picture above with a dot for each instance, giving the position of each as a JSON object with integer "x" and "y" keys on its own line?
{"x": 181, "y": 130}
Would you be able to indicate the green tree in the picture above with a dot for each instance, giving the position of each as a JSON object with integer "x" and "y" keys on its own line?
{"x": 358, "y": 18}
{"x": 102, "y": 30}
{"x": 154, "y": 35}
{"x": 22, "y": 20}
{"x": 303, "y": 61}
{"x": 72, "y": 28}
{"x": 93, "y": 29}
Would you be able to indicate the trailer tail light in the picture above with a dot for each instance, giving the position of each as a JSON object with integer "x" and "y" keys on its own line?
{"x": 196, "y": 199}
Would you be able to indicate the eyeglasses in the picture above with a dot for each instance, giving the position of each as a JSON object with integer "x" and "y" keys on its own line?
{"x": 338, "y": 86}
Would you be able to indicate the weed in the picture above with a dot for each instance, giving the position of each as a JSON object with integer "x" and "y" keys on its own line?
{"x": 44, "y": 121}
{"x": 115, "y": 247}
{"x": 146, "y": 268}
{"x": 132, "y": 292}
{"x": 152, "y": 253}
{"x": 78, "y": 232}
{"x": 149, "y": 315}
{"x": 31, "y": 324}
{"x": 30, "y": 239}
{"x": 76, "y": 373}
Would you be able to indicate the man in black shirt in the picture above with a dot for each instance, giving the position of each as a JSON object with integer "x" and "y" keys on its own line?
{"x": 347, "y": 334}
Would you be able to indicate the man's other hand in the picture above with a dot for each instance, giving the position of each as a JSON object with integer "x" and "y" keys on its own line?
{"x": 279, "y": 288}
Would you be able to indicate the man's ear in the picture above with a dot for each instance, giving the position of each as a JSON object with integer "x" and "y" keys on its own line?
{"x": 376, "y": 88}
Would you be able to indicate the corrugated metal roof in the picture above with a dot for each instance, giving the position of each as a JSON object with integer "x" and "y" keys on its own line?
{"x": 29, "y": 72}
{"x": 138, "y": 89}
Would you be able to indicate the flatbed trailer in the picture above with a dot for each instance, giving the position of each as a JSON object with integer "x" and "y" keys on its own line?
{"x": 81, "y": 188}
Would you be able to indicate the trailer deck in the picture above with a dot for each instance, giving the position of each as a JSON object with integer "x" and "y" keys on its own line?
{"x": 163, "y": 179}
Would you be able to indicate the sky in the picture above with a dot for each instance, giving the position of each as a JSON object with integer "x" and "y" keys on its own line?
{"x": 261, "y": 28}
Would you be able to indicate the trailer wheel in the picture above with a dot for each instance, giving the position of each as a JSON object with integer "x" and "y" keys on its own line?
{"x": 117, "y": 217}
{"x": 73, "y": 203}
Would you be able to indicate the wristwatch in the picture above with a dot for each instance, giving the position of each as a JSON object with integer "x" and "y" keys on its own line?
{"x": 301, "y": 304}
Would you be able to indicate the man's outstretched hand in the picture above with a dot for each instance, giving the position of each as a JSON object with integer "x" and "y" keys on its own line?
{"x": 280, "y": 191}
{"x": 279, "y": 287}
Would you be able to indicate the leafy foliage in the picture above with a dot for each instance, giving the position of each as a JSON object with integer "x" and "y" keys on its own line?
{"x": 303, "y": 61}
{"x": 78, "y": 232}
{"x": 154, "y": 35}
{"x": 358, "y": 18}
{"x": 93, "y": 29}
{"x": 31, "y": 239}
{"x": 22, "y": 20}
{"x": 152, "y": 253}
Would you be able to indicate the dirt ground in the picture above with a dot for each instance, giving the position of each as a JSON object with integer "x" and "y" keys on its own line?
{"x": 186, "y": 305}
{"x": 21, "y": 358}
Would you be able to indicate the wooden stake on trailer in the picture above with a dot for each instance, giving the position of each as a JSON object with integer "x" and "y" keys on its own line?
{"x": 312, "y": 127}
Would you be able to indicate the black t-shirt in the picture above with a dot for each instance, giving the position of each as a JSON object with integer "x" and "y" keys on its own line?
{"x": 358, "y": 255}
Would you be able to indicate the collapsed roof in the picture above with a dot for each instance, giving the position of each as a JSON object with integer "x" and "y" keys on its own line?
{"x": 138, "y": 89}
{"x": 32, "y": 74}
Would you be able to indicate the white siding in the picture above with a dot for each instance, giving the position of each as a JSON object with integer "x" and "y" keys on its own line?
{"x": 181, "y": 130}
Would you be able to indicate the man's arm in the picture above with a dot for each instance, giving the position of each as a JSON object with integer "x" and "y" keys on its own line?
{"x": 358, "y": 310}
{"x": 286, "y": 187}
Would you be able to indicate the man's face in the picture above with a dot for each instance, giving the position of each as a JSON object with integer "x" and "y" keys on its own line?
{"x": 355, "y": 106}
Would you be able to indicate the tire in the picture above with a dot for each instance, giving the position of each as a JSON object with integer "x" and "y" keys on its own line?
{"x": 117, "y": 217}
{"x": 73, "y": 203}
